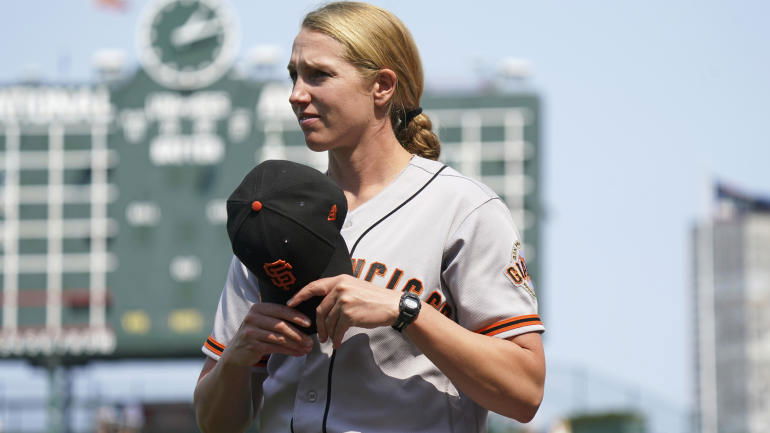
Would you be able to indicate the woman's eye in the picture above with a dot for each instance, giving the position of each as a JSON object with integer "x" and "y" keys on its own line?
{"x": 311, "y": 75}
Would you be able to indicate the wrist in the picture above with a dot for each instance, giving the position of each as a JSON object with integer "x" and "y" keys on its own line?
{"x": 408, "y": 309}
{"x": 233, "y": 362}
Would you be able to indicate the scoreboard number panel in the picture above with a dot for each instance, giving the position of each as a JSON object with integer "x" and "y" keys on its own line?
{"x": 174, "y": 178}
{"x": 56, "y": 191}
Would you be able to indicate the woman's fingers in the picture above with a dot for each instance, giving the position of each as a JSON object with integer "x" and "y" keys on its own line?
{"x": 338, "y": 324}
{"x": 316, "y": 288}
{"x": 321, "y": 314}
{"x": 348, "y": 301}
{"x": 282, "y": 312}
{"x": 269, "y": 328}
{"x": 273, "y": 342}
{"x": 277, "y": 318}
{"x": 331, "y": 320}
{"x": 271, "y": 325}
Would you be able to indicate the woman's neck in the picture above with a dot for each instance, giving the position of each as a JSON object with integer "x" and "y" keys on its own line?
{"x": 364, "y": 170}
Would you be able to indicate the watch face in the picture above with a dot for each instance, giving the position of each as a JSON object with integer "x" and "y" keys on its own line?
{"x": 187, "y": 44}
{"x": 411, "y": 303}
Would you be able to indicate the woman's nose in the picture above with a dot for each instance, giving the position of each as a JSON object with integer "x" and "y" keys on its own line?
{"x": 299, "y": 94}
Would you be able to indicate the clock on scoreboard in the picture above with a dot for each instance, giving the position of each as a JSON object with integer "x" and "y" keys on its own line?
{"x": 187, "y": 44}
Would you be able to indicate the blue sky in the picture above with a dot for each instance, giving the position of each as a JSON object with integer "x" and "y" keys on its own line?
{"x": 644, "y": 101}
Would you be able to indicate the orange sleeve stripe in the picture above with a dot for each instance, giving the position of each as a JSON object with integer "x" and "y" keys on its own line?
{"x": 512, "y": 323}
{"x": 511, "y": 327}
{"x": 214, "y": 346}
{"x": 217, "y": 347}
{"x": 215, "y": 342}
{"x": 211, "y": 348}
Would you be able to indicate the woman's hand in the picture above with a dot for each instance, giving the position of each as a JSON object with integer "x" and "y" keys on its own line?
{"x": 348, "y": 302}
{"x": 267, "y": 329}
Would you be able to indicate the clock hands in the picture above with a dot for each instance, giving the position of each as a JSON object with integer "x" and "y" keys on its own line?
{"x": 196, "y": 28}
{"x": 187, "y": 44}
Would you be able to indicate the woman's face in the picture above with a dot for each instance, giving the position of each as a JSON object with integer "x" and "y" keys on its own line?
{"x": 333, "y": 103}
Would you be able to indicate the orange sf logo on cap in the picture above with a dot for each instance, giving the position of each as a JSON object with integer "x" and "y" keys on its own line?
{"x": 332, "y": 213}
{"x": 280, "y": 274}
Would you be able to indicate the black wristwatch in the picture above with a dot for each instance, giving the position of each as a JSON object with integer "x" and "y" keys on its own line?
{"x": 408, "y": 309}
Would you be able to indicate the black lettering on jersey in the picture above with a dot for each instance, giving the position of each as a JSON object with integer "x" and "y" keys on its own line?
{"x": 395, "y": 278}
{"x": 358, "y": 266}
{"x": 413, "y": 285}
{"x": 375, "y": 268}
{"x": 379, "y": 269}
{"x": 434, "y": 299}
{"x": 446, "y": 310}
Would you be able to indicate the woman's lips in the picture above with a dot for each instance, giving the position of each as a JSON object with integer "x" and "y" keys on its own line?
{"x": 308, "y": 119}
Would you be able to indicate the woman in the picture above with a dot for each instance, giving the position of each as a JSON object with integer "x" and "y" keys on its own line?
{"x": 416, "y": 230}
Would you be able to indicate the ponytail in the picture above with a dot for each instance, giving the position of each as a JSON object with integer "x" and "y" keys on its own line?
{"x": 417, "y": 136}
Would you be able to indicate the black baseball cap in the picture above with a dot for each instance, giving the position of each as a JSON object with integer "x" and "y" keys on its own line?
{"x": 284, "y": 223}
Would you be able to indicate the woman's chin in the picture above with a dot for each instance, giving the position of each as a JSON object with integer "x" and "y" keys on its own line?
{"x": 316, "y": 143}
{"x": 317, "y": 146}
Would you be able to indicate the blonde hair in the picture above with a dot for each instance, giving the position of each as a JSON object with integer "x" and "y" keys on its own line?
{"x": 375, "y": 39}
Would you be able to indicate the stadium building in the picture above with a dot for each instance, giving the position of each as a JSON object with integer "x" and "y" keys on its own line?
{"x": 732, "y": 293}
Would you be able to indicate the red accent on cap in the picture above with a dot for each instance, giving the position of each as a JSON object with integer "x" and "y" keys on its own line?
{"x": 332, "y": 213}
{"x": 256, "y": 205}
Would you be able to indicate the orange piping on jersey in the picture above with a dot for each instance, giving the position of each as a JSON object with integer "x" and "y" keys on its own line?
{"x": 512, "y": 323}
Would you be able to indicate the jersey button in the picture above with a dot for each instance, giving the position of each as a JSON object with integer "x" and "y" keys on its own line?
{"x": 312, "y": 396}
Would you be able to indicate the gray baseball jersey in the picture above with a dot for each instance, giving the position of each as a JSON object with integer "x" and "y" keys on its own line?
{"x": 454, "y": 244}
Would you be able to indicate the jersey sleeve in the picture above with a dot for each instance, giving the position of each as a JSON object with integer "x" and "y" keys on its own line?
{"x": 486, "y": 274}
{"x": 240, "y": 292}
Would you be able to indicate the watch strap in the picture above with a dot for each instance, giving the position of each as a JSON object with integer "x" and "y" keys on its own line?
{"x": 406, "y": 315}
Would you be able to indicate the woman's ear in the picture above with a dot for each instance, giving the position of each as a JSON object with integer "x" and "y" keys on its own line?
{"x": 384, "y": 87}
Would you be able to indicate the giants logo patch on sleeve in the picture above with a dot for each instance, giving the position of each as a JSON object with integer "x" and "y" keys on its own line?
{"x": 517, "y": 271}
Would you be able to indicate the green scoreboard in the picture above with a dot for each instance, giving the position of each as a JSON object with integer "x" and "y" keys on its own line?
{"x": 113, "y": 195}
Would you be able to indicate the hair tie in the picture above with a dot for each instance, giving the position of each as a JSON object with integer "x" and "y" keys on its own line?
{"x": 411, "y": 115}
